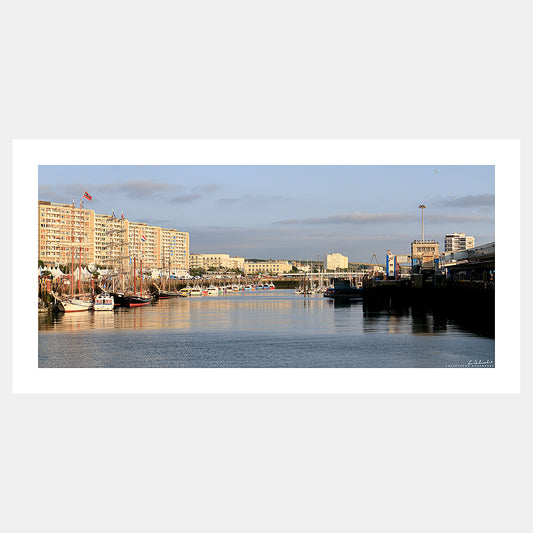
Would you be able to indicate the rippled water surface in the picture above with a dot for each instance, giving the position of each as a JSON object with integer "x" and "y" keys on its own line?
{"x": 275, "y": 328}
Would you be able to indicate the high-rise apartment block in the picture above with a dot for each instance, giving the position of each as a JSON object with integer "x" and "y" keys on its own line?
{"x": 106, "y": 240}
{"x": 335, "y": 261}
{"x": 66, "y": 233}
{"x": 457, "y": 242}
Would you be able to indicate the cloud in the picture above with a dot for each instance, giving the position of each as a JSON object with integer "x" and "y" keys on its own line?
{"x": 473, "y": 200}
{"x": 294, "y": 242}
{"x": 254, "y": 198}
{"x": 207, "y": 188}
{"x": 185, "y": 198}
{"x": 137, "y": 188}
{"x": 435, "y": 217}
{"x": 63, "y": 193}
{"x": 353, "y": 218}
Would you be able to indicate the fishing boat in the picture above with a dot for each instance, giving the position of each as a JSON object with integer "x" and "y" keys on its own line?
{"x": 212, "y": 290}
{"x": 186, "y": 291}
{"x": 104, "y": 302}
{"x": 344, "y": 290}
{"x": 271, "y": 286}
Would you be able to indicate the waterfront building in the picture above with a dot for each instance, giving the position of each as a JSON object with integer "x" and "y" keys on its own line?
{"x": 106, "y": 240}
{"x": 110, "y": 245}
{"x": 457, "y": 242}
{"x": 174, "y": 249}
{"x": 65, "y": 232}
{"x": 208, "y": 261}
{"x": 336, "y": 261}
{"x": 267, "y": 267}
{"x": 424, "y": 251}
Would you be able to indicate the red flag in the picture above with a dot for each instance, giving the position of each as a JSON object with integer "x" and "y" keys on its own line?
{"x": 87, "y": 195}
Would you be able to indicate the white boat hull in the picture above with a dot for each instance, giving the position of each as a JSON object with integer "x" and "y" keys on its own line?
{"x": 74, "y": 306}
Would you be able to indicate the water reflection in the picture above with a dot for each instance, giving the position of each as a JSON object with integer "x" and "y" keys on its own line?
{"x": 274, "y": 329}
{"x": 276, "y": 310}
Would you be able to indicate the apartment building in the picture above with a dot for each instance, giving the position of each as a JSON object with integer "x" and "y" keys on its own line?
{"x": 208, "y": 261}
{"x": 111, "y": 247}
{"x": 335, "y": 261}
{"x": 457, "y": 242}
{"x": 267, "y": 267}
{"x": 106, "y": 240}
{"x": 174, "y": 249}
{"x": 65, "y": 234}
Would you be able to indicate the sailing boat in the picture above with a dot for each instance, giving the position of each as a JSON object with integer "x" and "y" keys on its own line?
{"x": 137, "y": 300}
{"x": 166, "y": 293}
{"x": 72, "y": 304}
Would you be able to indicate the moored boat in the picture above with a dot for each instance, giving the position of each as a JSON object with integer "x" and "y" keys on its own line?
{"x": 163, "y": 295}
{"x": 104, "y": 302}
{"x": 73, "y": 305}
{"x": 136, "y": 300}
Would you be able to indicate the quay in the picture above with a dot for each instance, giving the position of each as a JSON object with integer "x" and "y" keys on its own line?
{"x": 458, "y": 286}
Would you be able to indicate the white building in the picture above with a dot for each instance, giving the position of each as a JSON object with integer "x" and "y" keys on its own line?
{"x": 335, "y": 261}
{"x": 267, "y": 267}
{"x": 457, "y": 242}
{"x": 215, "y": 261}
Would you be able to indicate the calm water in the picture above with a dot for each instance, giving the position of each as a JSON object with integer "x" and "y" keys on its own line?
{"x": 275, "y": 328}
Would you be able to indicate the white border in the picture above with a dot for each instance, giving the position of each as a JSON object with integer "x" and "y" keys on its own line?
{"x": 505, "y": 155}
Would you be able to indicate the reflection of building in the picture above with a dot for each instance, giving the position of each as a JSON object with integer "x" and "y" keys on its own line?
{"x": 208, "y": 261}
{"x": 106, "y": 240}
{"x": 457, "y": 242}
{"x": 424, "y": 251}
{"x": 335, "y": 261}
{"x": 267, "y": 267}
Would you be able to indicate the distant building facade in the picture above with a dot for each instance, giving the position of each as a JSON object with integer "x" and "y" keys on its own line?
{"x": 457, "y": 242}
{"x": 335, "y": 261}
{"x": 66, "y": 233}
{"x": 106, "y": 240}
{"x": 267, "y": 267}
{"x": 424, "y": 251}
{"x": 207, "y": 261}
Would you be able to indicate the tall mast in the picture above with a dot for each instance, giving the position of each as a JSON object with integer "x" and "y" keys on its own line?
{"x": 72, "y": 250}
{"x": 134, "y": 276}
{"x": 79, "y": 257}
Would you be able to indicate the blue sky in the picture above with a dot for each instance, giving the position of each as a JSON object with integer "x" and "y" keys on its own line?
{"x": 289, "y": 212}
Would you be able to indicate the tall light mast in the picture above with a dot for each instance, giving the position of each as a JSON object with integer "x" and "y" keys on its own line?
{"x": 422, "y": 206}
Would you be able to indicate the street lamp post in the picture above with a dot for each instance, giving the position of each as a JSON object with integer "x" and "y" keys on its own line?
{"x": 422, "y": 206}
